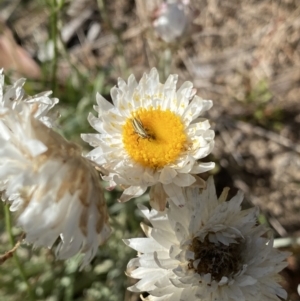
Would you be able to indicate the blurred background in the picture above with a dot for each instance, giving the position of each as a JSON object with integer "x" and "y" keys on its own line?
{"x": 244, "y": 55}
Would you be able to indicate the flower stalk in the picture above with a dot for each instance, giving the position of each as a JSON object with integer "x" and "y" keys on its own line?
{"x": 17, "y": 261}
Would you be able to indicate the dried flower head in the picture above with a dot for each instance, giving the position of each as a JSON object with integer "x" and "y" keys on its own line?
{"x": 55, "y": 191}
{"x": 208, "y": 250}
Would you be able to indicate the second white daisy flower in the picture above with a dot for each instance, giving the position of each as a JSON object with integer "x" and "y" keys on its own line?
{"x": 152, "y": 136}
{"x": 209, "y": 250}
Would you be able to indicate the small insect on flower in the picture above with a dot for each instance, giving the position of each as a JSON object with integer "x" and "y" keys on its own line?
{"x": 140, "y": 130}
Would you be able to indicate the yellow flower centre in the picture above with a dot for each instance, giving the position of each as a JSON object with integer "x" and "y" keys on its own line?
{"x": 154, "y": 138}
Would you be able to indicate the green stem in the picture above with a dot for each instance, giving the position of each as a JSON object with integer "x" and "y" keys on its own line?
{"x": 15, "y": 256}
{"x": 66, "y": 55}
{"x": 54, "y": 13}
{"x": 119, "y": 46}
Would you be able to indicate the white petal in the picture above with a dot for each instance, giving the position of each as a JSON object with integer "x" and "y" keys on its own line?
{"x": 175, "y": 193}
{"x": 167, "y": 175}
{"x": 184, "y": 180}
{"x": 144, "y": 245}
{"x": 131, "y": 192}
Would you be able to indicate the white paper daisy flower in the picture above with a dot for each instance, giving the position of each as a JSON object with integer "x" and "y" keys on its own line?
{"x": 55, "y": 191}
{"x": 150, "y": 135}
{"x": 14, "y": 97}
{"x": 208, "y": 250}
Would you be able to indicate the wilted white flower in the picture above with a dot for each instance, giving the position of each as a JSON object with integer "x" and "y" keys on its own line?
{"x": 172, "y": 19}
{"x": 208, "y": 250}
{"x": 55, "y": 191}
{"x": 150, "y": 135}
{"x": 14, "y": 97}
